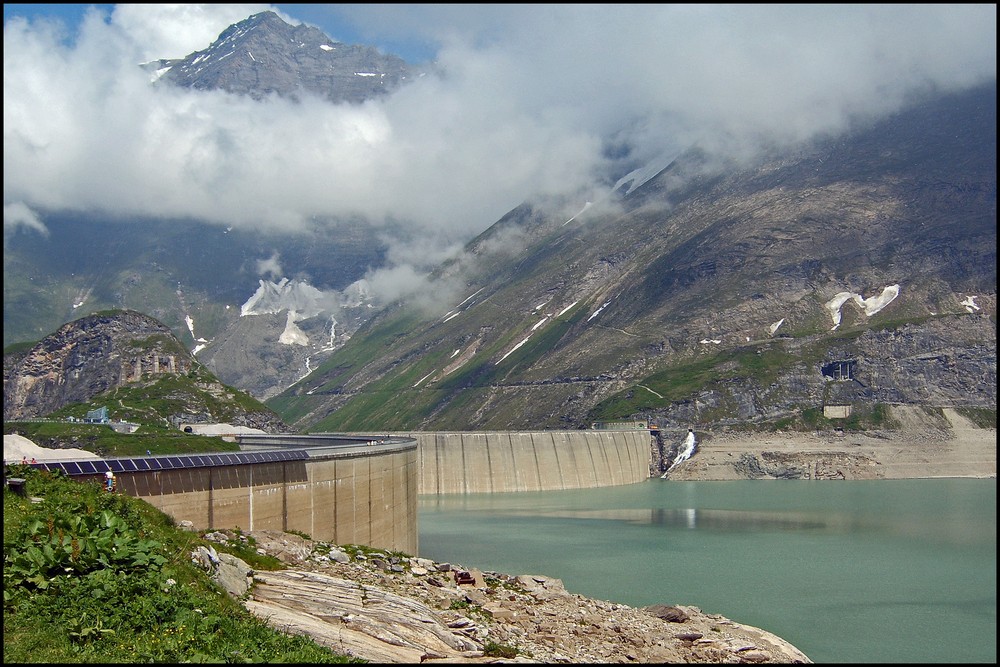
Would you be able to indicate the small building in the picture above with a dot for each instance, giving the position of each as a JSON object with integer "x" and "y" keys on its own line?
{"x": 124, "y": 427}
{"x": 836, "y": 411}
{"x": 98, "y": 416}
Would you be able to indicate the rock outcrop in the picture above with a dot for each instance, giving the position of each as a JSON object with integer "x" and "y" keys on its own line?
{"x": 391, "y": 608}
{"x": 99, "y": 353}
{"x": 87, "y": 357}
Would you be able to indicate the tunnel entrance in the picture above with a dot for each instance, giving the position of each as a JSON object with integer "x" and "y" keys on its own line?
{"x": 840, "y": 370}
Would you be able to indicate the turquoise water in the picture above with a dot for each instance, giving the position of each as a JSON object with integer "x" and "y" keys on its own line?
{"x": 847, "y": 571}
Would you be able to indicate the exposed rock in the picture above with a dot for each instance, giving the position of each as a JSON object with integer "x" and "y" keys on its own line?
{"x": 96, "y": 354}
{"x": 924, "y": 443}
{"x": 404, "y": 617}
{"x": 667, "y": 613}
{"x": 263, "y": 55}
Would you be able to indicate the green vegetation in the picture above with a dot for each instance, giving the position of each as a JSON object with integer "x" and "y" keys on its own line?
{"x": 96, "y": 577}
{"x": 981, "y": 417}
{"x": 103, "y": 441}
{"x": 19, "y": 348}
{"x": 161, "y": 343}
{"x": 495, "y": 650}
{"x": 149, "y": 404}
{"x": 394, "y": 402}
{"x": 863, "y": 418}
{"x": 364, "y": 349}
{"x": 760, "y": 365}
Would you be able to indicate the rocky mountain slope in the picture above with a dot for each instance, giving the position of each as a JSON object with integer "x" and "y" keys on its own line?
{"x": 90, "y": 358}
{"x": 263, "y": 55}
{"x": 858, "y": 270}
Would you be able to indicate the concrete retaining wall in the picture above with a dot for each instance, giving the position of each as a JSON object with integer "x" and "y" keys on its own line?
{"x": 370, "y": 499}
{"x": 506, "y": 461}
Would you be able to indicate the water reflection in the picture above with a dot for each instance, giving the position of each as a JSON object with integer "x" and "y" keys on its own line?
{"x": 847, "y": 571}
{"x": 692, "y": 518}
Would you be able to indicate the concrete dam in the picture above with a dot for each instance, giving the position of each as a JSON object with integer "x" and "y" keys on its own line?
{"x": 509, "y": 461}
{"x": 362, "y": 488}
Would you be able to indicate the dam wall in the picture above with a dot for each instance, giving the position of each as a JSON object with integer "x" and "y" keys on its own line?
{"x": 363, "y": 490}
{"x": 345, "y": 495}
{"x": 370, "y": 500}
{"x": 511, "y": 461}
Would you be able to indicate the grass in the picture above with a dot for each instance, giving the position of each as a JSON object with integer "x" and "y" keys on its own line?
{"x": 92, "y": 577}
{"x": 102, "y": 440}
{"x": 659, "y": 390}
{"x": 981, "y": 417}
{"x": 863, "y": 418}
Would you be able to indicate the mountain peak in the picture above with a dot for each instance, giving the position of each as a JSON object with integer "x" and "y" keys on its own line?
{"x": 263, "y": 55}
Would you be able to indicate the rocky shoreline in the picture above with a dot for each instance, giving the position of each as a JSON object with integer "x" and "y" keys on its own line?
{"x": 921, "y": 447}
{"x": 390, "y": 608}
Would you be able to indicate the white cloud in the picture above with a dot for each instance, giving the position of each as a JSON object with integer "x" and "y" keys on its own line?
{"x": 531, "y": 95}
{"x": 270, "y": 267}
{"x": 18, "y": 216}
{"x": 174, "y": 31}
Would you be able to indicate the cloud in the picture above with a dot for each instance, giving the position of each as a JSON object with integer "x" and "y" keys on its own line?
{"x": 18, "y": 216}
{"x": 530, "y": 99}
{"x": 270, "y": 267}
{"x": 174, "y": 31}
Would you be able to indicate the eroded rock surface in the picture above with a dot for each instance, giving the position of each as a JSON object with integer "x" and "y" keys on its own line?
{"x": 391, "y": 608}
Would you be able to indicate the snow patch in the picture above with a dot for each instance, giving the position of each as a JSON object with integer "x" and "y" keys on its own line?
{"x": 639, "y": 176}
{"x": 513, "y": 349}
{"x": 423, "y": 378}
{"x": 870, "y": 306}
{"x": 293, "y": 335}
{"x": 598, "y": 311}
{"x": 585, "y": 207}
{"x": 774, "y": 327}
{"x": 272, "y": 298}
{"x": 970, "y": 303}
{"x": 563, "y": 311}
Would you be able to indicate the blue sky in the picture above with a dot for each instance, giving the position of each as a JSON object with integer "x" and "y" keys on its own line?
{"x": 351, "y": 23}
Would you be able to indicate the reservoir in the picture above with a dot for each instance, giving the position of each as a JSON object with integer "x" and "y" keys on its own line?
{"x": 847, "y": 571}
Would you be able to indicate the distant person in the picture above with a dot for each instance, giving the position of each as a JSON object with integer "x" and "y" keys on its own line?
{"x": 33, "y": 460}
{"x": 149, "y": 453}
{"x": 24, "y": 460}
{"x": 109, "y": 480}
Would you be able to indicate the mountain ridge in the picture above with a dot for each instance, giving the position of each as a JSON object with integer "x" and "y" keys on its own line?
{"x": 695, "y": 267}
